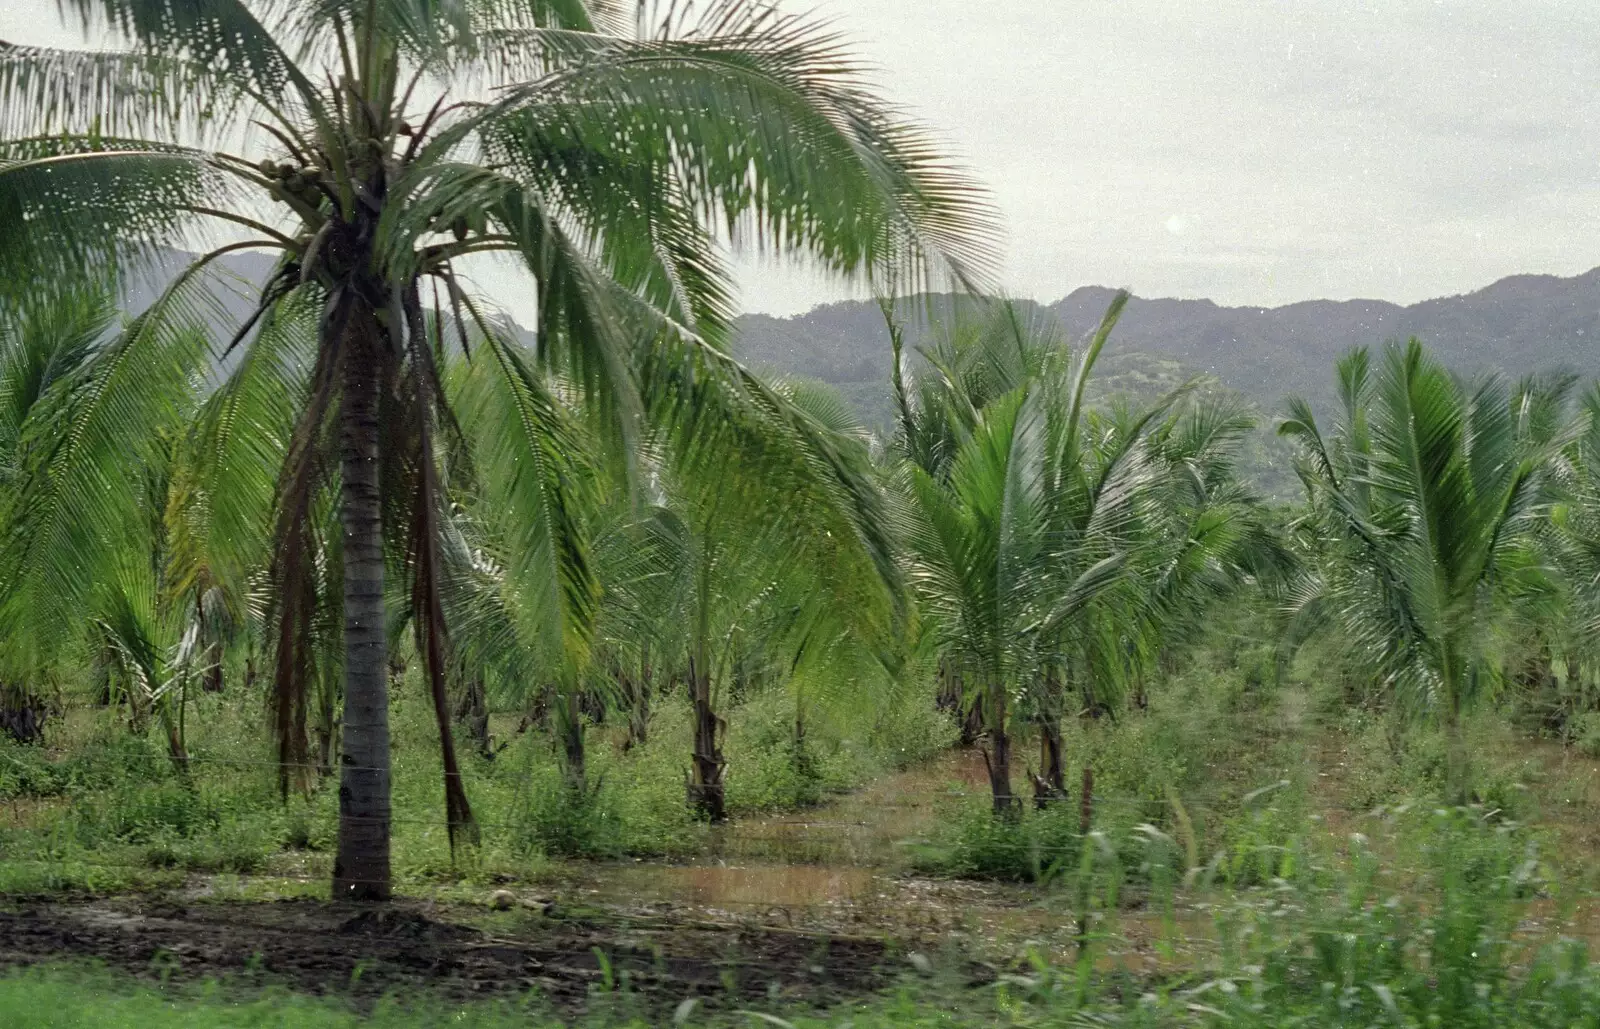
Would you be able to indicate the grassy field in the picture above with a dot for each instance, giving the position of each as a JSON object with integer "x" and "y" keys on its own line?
{"x": 1261, "y": 853}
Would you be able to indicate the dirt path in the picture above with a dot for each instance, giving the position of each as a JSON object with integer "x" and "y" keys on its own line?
{"x": 330, "y": 948}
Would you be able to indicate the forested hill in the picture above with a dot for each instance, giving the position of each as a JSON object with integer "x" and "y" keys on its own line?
{"x": 1520, "y": 324}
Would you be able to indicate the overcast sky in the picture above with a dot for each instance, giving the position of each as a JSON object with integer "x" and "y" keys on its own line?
{"x": 1249, "y": 151}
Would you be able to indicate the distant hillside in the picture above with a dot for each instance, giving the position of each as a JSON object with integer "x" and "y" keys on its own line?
{"x": 1520, "y": 324}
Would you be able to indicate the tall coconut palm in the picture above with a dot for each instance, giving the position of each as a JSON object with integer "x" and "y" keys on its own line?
{"x": 375, "y": 165}
{"x": 1423, "y": 501}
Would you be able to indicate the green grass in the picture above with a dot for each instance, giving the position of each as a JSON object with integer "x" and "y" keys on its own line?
{"x": 1279, "y": 846}
{"x": 100, "y": 809}
{"x": 1331, "y": 944}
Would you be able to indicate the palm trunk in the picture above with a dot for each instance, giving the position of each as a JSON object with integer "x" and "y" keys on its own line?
{"x": 706, "y": 788}
{"x": 998, "y": 756}
{"x": 361, "y": 870}
{"x": 1052, "y": 776}
{"x": 212, "y": 681}
{"x": 1457, "y": 760}
{"x": 1051, "y": 782}
{"x": 327, "y": 724}
{"x": 21, "y": 715}
{"x": 474, "y": 710}
{"x": 636, "y": 694}
{"x": 806, "y": 772}
{"x": 972, "y": 722}
{"x": 572, "y": 753}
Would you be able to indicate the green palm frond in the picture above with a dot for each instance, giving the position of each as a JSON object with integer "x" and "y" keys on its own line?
{"x": 1426, "y": 500}
{"x": 223, "y": 34}
{"x": 75, "y": 211}
{"x": 765, "y": 127}
{"x": 530, "y": 491}
{"x": 240, "y": 438}
{"x": 41, "y": 343}
{"x": 83, "y": 451}
{"x": 48, "y": 91}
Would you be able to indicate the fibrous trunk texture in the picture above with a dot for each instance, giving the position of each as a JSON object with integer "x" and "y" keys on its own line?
{"x": 572, "y": 754}
{"x": 636, "y": 691}
{"x": 474, "y": 711}
{"x": 998, "y": 756}
{"x": 361, "y": 869}
{"x": 1050, "y": 784}
{"x": 706, "y": 787}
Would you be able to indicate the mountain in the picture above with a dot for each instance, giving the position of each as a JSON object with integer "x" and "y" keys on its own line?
{"x": 1521, "y": 324}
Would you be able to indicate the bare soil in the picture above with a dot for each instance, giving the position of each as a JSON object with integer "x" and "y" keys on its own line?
{"x": 365, "y": 953}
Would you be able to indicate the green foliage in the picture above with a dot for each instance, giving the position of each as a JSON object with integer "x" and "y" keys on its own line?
{"x": 1423, "y": 509}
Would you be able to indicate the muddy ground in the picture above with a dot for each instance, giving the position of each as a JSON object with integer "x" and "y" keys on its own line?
{"x": 364, "y": 954}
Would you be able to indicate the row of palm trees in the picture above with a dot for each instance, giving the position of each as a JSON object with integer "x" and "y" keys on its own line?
{"x": 1448, "y": 537}
{"x": 378, "y": 148}
{"x": 612, "y": 507}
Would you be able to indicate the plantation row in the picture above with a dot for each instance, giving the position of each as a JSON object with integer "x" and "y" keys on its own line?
{"x": 1011, "y": 555}
{"x": 356, "y": 478}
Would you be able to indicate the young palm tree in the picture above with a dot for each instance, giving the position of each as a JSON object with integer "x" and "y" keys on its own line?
{"x": 46, "y": 350}
{"x": 786, "y": 539}
{"x": 1034, "y": 511}
{"x": 1211, "y": 534}
{"x": 603, "y": 156}
{"x": 1425, "y": 499}
{"x": 1560, "y": 657}
{"x": 1015, "y": 536}
{"x": 154, "y": 612}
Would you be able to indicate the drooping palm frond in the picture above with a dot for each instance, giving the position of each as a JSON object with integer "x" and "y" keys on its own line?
{"x": 763, "y": 123}
{"x": 75, "y": 211}
{"x": 227, "y": 36}
{"x": 82, "y": 452}
{"x": 42, "y": 343}
{"x": 51, "y": 91}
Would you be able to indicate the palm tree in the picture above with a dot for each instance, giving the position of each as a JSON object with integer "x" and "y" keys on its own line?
{"x": 785, "y": 538}
{"x": 1559, "y": 657}
{"x": 1019, "y": 527}
{"x": 45, "y": 350}
{"x": 1423, "y": 501}
{"x": 600, "y": 164}
{"x": 1211, "y": 535}
{"x": 145, "y": 586}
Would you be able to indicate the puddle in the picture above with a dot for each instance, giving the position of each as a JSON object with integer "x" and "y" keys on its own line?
{"x": 739, "y": 886}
